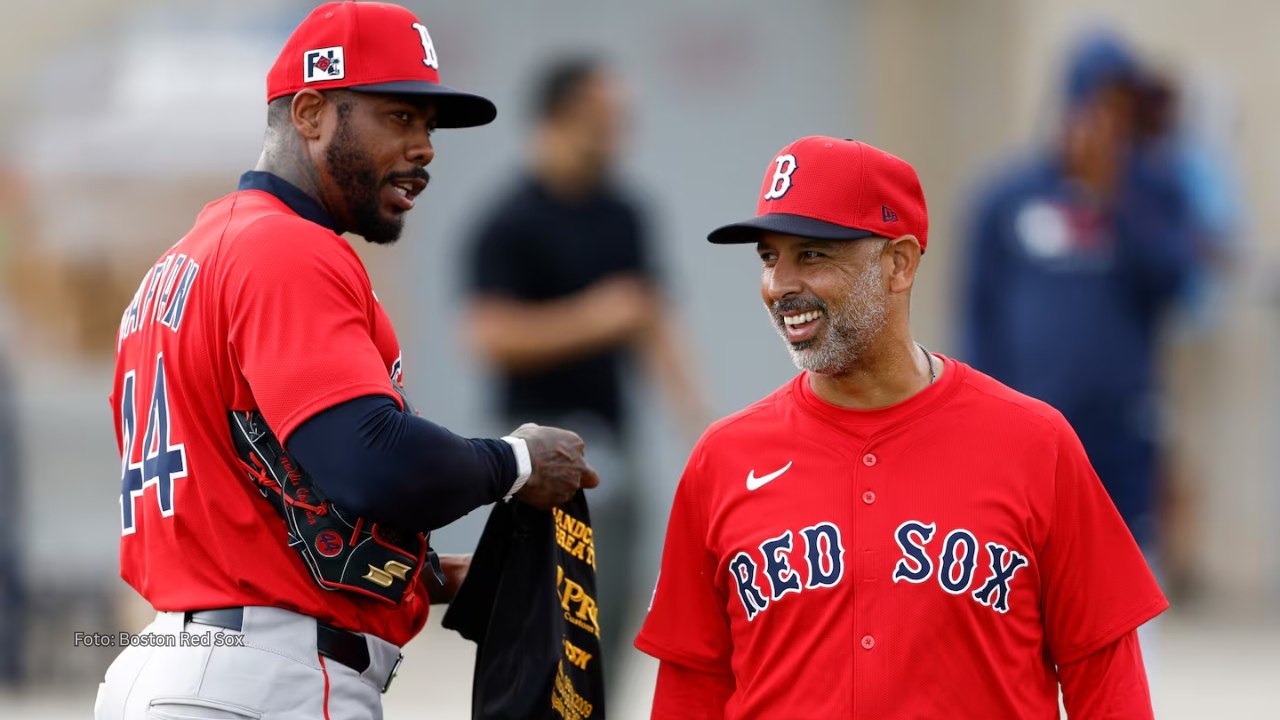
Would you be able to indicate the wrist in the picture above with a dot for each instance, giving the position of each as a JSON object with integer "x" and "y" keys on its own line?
{"x": 524, "y": 464}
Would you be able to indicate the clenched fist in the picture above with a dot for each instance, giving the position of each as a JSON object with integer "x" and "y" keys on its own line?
{"x": 559, "y": 466}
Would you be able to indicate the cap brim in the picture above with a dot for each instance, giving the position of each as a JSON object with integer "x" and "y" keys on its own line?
{"x": 749, "y": 231}
{"x": 454, "y": 108}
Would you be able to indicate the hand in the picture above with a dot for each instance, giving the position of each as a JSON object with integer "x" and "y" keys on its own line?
{"x": 559, "y": 466}
{"x": 455, "y": 569}
{"x": 622, "y": 306}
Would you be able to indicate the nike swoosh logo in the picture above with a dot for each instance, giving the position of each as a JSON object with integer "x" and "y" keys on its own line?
{"x": 755, "y": 483}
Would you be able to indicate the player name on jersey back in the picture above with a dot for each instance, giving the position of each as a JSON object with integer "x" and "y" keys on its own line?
{"x": 168, "y": 284}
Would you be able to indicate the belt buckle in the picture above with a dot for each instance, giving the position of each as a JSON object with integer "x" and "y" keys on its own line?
{"x": 392, "y": 675}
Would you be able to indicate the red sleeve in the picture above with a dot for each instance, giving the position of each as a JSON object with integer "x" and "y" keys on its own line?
{"x": 301, "y": 321}
{"x": 686, "y": 694}
{"x": 1097, "y": 586}
{"x": 1110, "y": 684}
{"x": 687, "y": 622}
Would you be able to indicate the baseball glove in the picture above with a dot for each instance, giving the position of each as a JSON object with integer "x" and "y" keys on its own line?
{"x": 342, "y": 552}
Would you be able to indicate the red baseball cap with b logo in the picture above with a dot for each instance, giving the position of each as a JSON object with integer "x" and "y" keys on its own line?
{"x": 831, "y": 189}
{"x": 371, "y": 47}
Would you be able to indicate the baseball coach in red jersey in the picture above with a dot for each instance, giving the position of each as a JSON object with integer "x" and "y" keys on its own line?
{"x": 277, "y": 490}
{"x": 891, "y": 534}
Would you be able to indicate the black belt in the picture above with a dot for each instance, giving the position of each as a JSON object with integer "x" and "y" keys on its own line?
{"x": 349, "y": 648}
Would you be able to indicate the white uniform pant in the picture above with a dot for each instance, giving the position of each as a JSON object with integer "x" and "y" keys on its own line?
{"x": 269, "y": 670}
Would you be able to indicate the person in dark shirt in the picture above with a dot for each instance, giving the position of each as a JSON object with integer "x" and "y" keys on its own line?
{"x": 565, "y": 294}
{"x": 1076, "y": 256}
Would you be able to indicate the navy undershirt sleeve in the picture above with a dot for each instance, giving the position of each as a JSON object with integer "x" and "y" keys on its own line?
{"x": 377, "y": 461}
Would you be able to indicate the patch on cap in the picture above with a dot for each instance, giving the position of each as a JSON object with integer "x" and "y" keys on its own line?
{"x": 323, "y": 64}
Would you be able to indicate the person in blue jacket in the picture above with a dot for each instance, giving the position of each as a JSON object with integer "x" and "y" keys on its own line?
{"x": 1076, "y": 254}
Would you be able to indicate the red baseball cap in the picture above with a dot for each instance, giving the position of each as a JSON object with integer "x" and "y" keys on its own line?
{"x": 832, "y": 189}
{"x": 371, "y": 47}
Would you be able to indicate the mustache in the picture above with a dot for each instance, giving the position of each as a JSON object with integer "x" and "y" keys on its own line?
{"x": 796, "y": 305}
{"x": 418, "y": 173}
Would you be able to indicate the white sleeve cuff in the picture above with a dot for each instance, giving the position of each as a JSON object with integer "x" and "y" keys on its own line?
{"x": 524, "y": 464}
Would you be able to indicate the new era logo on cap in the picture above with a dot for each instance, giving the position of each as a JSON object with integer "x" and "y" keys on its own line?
{"x": 323, "y": 64}
{"x": 832, "y": 189}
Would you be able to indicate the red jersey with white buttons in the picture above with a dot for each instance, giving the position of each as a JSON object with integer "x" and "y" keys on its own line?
{"x": 932, "y": 559}
{"x": 256, "y": 308}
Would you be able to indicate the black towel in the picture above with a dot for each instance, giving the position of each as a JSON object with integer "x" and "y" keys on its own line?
{"x": 529, "y": 603}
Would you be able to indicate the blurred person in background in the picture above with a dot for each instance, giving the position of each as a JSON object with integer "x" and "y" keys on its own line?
{"x": 1184, "y": 129}
{"x": 1076, "y": 257}
{"x": 565, "y": 290}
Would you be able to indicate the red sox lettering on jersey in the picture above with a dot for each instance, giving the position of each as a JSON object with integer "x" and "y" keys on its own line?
{"x": 805, "y": 535}
{"x": 956, "y": 562}
{"x": 820, "y": 553}
{"x": 823, "y": 560}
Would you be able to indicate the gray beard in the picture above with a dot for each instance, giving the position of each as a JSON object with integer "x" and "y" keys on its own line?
{"x": 848, "y": 332}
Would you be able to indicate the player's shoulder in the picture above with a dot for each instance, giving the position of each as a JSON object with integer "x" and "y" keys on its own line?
{"x": 986, "y": 400}
{"x": 728, "y": 438}
{"x": 264, "y": 229}
{"x": 265, "y": 218}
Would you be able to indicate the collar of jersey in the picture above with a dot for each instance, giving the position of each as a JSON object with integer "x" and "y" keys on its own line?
{"x": 306, "y": 207}
{"x": 879, "y": 419}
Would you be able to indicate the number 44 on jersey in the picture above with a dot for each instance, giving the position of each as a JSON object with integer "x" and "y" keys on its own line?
{"x": 161, "y": 461}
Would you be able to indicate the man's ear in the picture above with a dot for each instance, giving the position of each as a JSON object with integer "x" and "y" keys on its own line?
{"x": 306, "y": 112}
{"x": 904, "y": 252}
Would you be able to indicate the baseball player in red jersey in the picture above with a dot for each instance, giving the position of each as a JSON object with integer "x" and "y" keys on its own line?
{"x": 276, "y": 488}
{"x": 891, "y": 534}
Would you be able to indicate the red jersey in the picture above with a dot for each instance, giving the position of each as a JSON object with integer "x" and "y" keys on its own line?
{"x": 932, "y": 559}
{"x": 257, "y": 307}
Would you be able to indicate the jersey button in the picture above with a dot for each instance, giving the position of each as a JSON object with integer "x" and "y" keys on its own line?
{"x": 869, "y": 459}
{"x": 868, "y": 642}
{"x": 868, "y": 497}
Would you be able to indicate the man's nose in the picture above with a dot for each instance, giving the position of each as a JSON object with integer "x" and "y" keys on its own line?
{"x": 421, "y": 151}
